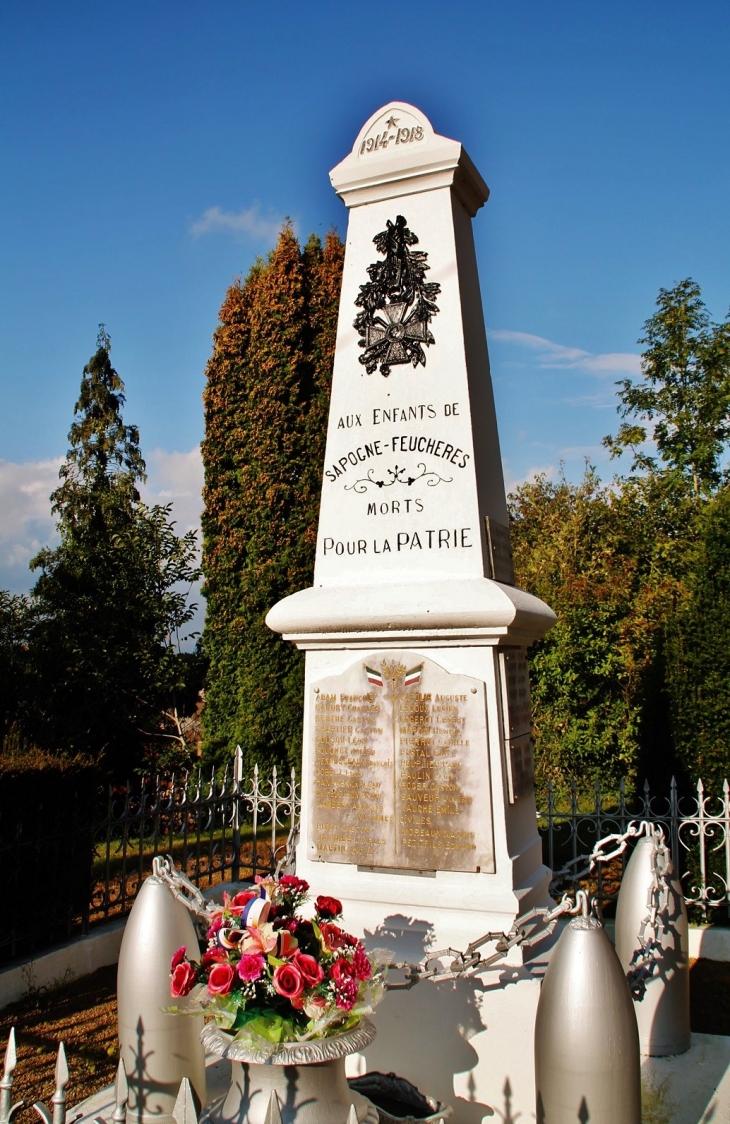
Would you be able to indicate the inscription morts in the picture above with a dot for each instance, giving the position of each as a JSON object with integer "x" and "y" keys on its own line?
{"x": 400, "y": 771}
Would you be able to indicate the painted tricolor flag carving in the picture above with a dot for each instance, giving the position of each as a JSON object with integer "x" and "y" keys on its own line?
{"x": 374, "y": 677}
{"x": 413, "y": 676}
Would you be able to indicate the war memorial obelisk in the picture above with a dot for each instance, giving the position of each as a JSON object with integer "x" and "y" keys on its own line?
{"x": 418, "y": 807}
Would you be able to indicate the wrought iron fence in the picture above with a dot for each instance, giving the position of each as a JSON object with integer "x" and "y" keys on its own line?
{"x": 216, "y": 829}
{"x": 232, "y": 828}
{"x": 697, "y": 828}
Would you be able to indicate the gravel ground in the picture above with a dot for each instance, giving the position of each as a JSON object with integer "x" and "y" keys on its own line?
{"x": 84, "y": 1015}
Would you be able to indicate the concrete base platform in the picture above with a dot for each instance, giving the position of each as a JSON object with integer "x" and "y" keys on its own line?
{"x": 693, "y": 1088}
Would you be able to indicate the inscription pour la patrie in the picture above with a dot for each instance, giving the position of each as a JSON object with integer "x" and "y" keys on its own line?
{"x": 400, "y": 768}
{"x": 375, "y": 466}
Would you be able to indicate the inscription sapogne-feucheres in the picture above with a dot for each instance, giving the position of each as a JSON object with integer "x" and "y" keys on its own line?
{"x": 400, "y": 767}
{"x": 401, "y": 443}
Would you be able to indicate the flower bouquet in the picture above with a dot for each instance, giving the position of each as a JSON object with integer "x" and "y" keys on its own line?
{"x": 270, "y": 975}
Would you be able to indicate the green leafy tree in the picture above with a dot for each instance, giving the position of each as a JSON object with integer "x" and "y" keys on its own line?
{"x": 684, "y": 394}
{"x": 266, "y": 403}
{"x": 112, "y": 597}
{"x": 586, "y": 550}
{"x": 619, "y": 683}
{"x": 698, "y": 652}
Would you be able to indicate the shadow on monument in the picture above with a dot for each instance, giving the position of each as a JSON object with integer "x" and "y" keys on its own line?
{"x": 424, "y": 1033}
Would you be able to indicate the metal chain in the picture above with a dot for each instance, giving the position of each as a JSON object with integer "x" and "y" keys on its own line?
{"x": 527, "y": 930}
{"x": 182, "y": 888}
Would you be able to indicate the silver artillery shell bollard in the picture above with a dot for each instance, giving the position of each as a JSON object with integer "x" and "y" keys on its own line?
{"x": 586, "y": 1039}
{"x": 652, "y": 944}
{"x": 158, "y": 1049}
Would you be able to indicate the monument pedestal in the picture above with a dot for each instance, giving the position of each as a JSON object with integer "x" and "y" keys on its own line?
{"x": 418, "y": 807}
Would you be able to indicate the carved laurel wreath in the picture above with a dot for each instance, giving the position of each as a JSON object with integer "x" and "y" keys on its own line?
{"x": 397, "y": 303}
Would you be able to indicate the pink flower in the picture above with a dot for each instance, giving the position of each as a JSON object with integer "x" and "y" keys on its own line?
{"x": 178, "y": 957}
{"x": 250, "y": 966}
{"x": 220, "y": 979}
{"x": 261, "y": 939}
{"x": 288, "y": 982}
{"x": 217, "y": 924}
{"x": 183, "y": 980}
{"x": 308, "y": 968}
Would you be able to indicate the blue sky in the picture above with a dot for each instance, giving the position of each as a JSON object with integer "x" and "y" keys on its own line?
{"x": 150, "y": 151}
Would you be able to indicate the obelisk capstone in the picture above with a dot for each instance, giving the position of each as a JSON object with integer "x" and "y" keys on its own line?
{"x": 418, "y": 806}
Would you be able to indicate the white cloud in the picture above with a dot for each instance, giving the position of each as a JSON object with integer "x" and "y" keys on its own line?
{"x": 512, "y": 481}
{"x": 26, "y": 522}
{"x": 176, "y": 478}
{"x": 556, "y": 355}
{"x": 248, "y": 222}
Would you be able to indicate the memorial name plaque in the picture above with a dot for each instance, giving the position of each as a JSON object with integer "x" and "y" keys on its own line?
{"x": 517, "y": 721}
{"x": 400, "y": 772}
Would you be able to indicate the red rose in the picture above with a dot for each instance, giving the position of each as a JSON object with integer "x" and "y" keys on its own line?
{"x": 178, "y": 957}
{"x": 217, "y": 924}
{"x": 183, "y": 980}
{"x": 328, "y": 907}
{"x": 250, "y": 966}
{"x": 238, "y": 903}
{"x": 361, "y": 965}
{"x": 310, "y": 971}
{"x": 214, "y": 956}
{"x": 288, "y": 981}
{"x": 220, "y": 979}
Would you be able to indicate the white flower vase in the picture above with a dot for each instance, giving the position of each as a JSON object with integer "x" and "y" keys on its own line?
{"x": 308, "y": 1079}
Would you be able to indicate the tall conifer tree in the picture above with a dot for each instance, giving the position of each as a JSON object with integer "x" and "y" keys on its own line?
{"x": 110, "y": 598}
{"x": 266, "y": 403}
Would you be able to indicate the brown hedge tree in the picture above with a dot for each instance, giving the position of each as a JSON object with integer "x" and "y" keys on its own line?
{"x": 266, "y": 403}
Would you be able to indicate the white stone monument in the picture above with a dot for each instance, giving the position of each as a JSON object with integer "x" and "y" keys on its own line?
{"x": 418, "y": 807}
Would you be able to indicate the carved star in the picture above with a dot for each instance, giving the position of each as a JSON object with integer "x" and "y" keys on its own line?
{"x": 392, "y": 122}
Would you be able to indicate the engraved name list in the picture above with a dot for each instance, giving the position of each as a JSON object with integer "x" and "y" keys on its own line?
{"x": 400, "y": 767}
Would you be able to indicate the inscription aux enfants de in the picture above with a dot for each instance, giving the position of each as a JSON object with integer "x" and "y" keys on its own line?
{"x": 376, "y": 465}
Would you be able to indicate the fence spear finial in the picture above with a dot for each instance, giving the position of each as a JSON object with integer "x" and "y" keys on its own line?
{"x": 6, "y": 1084}
{"x": 58, "y": 1100}
{"x": 186, "y": 1106}
{"x": 273, "y": 1112}
{"x": 121, "y": 1094}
